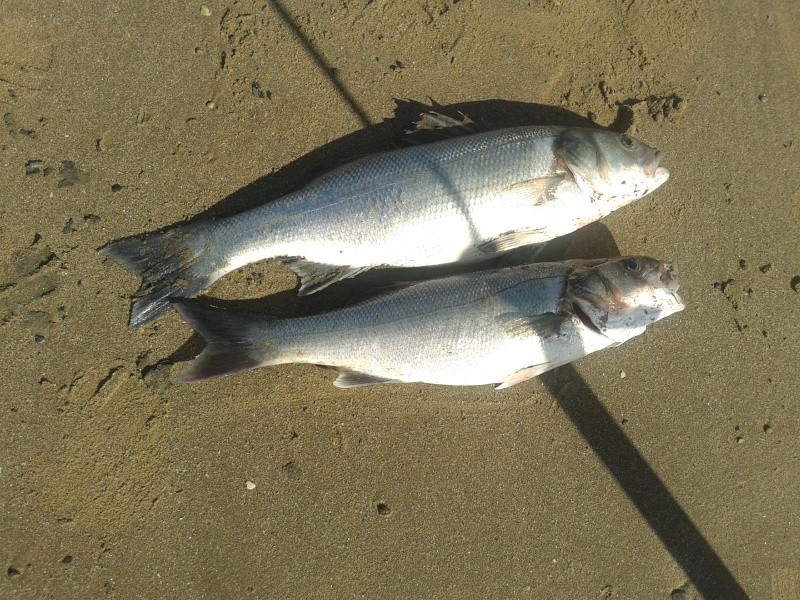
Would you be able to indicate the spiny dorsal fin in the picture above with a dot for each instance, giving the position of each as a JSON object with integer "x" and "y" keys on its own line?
{"x": 433, "y": 126}
{"x": 435, "y": 120}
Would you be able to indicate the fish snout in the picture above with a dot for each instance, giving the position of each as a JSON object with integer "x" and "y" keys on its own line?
{"x": 668, "y": 275}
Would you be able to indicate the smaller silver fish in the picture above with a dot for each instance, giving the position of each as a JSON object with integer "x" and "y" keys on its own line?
{"x": 502, "y": 326}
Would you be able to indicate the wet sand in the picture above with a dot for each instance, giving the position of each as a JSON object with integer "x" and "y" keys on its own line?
{"x": 678, "y": 480}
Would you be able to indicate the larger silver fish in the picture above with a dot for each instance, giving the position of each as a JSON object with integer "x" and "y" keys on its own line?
{"x": 502, "y": 326}
{"x": 460, "y": 199}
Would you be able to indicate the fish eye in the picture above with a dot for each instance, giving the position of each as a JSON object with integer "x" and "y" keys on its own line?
{"x": 631, "y": 264}
{"x": 626, "y": 141}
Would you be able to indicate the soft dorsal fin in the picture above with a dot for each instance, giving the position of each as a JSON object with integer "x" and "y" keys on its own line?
{"x": 354, "y": 379}
{"x": 317, "y": 276}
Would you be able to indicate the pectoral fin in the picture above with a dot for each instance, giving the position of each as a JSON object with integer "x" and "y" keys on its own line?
{"x": 543, "y": 326}
{"x": 316, "y": 276}
{"x": 525, "y": 374}
{"x": 531, "y": 192}
{"x": 353, "y": 379}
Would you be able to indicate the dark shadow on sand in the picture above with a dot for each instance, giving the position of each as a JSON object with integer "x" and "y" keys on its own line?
{"x": 662, "y": 512}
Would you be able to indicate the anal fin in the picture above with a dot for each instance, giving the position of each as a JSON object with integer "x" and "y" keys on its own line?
{"x": 317, "y": 276}
{"x": 354, "y": 379}
{"x": 511, "y": 240}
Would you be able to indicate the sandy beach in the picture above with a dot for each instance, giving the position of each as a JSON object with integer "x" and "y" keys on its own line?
{"x": 667, "y": 468}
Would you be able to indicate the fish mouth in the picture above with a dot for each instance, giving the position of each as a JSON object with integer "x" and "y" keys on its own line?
{"x": 653, "y": 169}
{"x": 678, "y": 304}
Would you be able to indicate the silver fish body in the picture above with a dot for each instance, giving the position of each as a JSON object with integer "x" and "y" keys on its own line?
{"x": 502, "y": 326}
{"x": 457, "y": 200}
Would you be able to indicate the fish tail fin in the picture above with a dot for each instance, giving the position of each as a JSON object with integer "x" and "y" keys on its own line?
{"x": 172, "y": 264}
{"x": 236, "y": 342}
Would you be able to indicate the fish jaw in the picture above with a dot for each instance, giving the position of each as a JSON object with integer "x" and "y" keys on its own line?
{"x": 659, "y": 177}
{"x": 668, "y": 303}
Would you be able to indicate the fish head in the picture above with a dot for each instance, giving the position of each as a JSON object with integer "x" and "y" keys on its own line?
{"x": 611, "y": 167}
{"x": 620, "y": 297}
